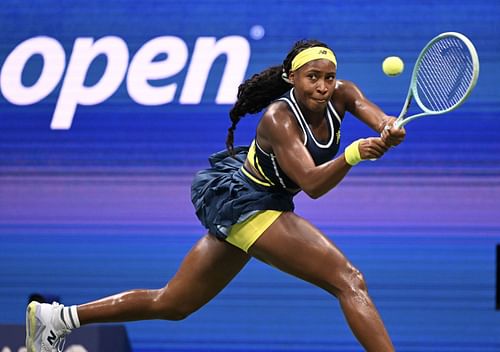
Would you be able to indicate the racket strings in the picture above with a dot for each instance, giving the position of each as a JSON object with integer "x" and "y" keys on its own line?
{"x": 450, "y": 79}
{"x": 460, "y": 59}
{"x": 444, "y": 74}
{"x": 445, "y": 70}
{"x": 445, "y": 64}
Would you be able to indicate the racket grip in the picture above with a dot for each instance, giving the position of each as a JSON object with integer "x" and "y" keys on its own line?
{"x": 398, "y": 123}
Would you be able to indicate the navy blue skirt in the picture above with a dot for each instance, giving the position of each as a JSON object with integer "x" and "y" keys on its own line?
{"x": 223, "y": 196}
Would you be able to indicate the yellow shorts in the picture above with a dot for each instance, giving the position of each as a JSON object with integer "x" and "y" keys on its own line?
{"x": 244, "y": 234}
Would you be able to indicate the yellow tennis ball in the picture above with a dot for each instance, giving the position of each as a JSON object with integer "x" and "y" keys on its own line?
{"x": 393, "y": 66}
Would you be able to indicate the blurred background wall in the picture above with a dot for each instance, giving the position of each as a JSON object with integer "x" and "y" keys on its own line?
{"x": 108, "y": 108}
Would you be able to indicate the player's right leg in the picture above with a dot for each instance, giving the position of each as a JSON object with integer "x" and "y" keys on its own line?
{"x": 205, "y": 271}
{"x": 293, "y": 245}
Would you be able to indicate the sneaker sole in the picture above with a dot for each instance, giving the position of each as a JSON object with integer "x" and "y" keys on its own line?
{"x": 30, "y": 326}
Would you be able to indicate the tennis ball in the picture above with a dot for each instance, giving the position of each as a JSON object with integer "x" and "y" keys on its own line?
{"x": 393, "y": 66}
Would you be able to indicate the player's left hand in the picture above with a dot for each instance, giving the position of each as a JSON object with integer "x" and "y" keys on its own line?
{"x": 391, "y": 135}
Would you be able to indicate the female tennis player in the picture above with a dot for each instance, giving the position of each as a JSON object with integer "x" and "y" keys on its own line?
{"x": 245, "y": 200}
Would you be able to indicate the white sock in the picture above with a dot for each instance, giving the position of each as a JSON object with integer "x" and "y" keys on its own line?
{"x": 69, "y": 317}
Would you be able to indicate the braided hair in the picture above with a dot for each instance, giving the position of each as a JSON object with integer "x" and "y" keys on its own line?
{"x": 262, "y": 88}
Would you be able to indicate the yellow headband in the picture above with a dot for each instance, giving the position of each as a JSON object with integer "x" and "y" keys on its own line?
{"x": 310, "y": 54}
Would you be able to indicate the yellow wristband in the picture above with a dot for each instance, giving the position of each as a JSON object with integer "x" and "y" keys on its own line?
{"x": 351, "y": 153}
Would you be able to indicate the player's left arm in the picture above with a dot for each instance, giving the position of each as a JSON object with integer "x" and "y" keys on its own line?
{"x": 369, "y": 113}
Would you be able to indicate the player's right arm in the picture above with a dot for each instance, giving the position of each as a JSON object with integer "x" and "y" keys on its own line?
{"x": 369, "y": 113}
{"x": 278, "y": 132}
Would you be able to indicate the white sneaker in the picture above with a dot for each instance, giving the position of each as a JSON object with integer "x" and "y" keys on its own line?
{"x": 45, "y": 332}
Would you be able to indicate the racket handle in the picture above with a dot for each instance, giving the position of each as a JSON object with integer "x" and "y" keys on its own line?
{"x": 398, "y": 123}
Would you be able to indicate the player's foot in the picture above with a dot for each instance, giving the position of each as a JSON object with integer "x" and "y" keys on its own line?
{"x": 45, "y": 331}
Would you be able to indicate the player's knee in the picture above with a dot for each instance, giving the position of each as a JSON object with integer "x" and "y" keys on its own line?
{"x": 169, "y": 307}
{"x": 178, "y": 313}
{"x": 351, "y": 282}
{"x": 358, "y": 280}
{"x": 173, "y": 312}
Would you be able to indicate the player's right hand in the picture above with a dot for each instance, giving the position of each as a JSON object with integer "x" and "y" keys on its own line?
{"x": 372, "y": 148}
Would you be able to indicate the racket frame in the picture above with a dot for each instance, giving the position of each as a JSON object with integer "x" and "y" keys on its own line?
{"x": 413, "y": 92}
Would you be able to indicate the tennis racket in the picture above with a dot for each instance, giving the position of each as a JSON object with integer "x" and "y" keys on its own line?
{"x": 444, "y": 75}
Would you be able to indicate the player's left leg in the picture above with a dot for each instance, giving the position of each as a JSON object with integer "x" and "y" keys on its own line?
{"x": 205, "y": 271}
{"x": 208, "y": 267}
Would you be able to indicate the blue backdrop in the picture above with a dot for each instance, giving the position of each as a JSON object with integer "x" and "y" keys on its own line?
{"x": 107, "y": 108}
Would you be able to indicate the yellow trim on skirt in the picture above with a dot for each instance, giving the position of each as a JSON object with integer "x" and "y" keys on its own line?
{"x": 243, "y": 235}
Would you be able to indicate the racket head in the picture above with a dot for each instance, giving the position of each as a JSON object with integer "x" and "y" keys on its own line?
{"x": 445, "y": 73}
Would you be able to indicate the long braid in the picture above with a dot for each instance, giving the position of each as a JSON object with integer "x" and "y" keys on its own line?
{"x": 261, "y": 89}
{"x": 254, "y": 95}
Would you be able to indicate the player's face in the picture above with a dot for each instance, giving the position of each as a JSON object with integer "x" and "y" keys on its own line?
{"x": 314, "y": 84}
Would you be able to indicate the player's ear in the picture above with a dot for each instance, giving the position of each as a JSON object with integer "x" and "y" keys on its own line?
{"x": 291, "y": 77}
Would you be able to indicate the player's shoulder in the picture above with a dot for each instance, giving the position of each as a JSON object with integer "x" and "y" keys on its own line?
{"x": 343, "y": 85}
{"x": 346, "y": 91}
{"x": 277, "y": 113}
{"x": 277, "y": 119}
